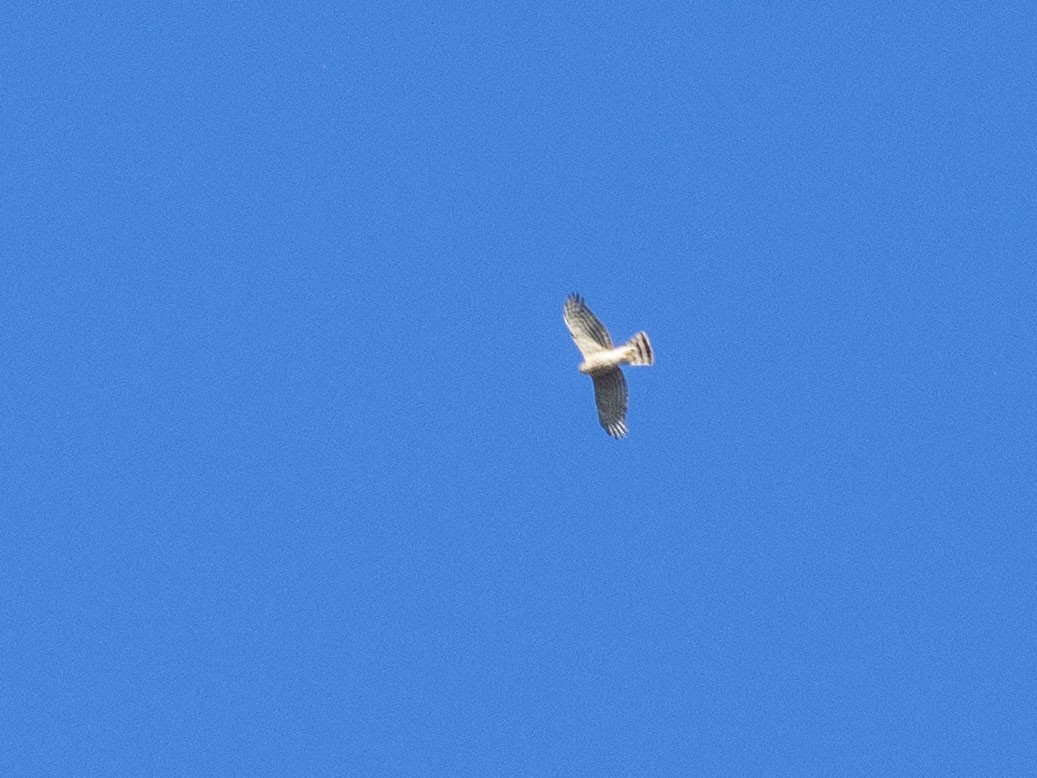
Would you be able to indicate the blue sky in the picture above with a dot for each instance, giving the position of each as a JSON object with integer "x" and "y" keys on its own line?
{"x": 299, "y": 475}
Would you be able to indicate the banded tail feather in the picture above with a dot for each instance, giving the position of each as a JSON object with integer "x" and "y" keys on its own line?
{"x": 640, "y": 350}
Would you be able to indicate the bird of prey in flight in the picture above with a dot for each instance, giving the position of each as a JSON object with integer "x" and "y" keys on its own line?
{"x": 601, "y": 362}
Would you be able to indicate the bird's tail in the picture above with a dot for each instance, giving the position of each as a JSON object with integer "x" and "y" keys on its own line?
{"x": 639, "y": 350}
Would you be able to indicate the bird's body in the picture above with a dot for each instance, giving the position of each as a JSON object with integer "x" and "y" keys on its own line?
{"x": 601, "y": 361}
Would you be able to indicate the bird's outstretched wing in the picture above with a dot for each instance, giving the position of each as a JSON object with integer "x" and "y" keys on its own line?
{"x": 610, "y": 394}
{"x": 589, "y": 334}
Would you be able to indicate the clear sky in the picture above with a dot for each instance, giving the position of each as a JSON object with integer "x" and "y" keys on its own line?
{"x": 299, "y": 475}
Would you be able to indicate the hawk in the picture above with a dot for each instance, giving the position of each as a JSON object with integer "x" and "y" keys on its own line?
{"x": 601, "y": 362}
